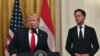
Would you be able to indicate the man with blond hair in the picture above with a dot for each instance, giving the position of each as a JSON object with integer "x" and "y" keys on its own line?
{"x": 29, "y": 39}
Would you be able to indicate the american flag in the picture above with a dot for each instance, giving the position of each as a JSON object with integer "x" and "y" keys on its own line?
{"x": 15, "y": 23}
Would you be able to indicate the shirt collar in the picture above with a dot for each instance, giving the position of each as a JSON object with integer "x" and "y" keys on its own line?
{"x": 83, "y": 26}
{"x": 36, "y": 30}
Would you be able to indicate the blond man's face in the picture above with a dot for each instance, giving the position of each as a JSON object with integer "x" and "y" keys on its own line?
{"x": 32, "y": 22}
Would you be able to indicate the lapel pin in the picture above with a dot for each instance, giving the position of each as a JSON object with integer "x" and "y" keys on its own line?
{"x": 40, "y": 35}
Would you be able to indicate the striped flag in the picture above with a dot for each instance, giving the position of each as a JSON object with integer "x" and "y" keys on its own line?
{"x": 15, "y": 23}
{"x": 46, "y": 24}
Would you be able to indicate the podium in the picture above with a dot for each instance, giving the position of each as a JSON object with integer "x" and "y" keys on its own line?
{"x": 32, "y": 54}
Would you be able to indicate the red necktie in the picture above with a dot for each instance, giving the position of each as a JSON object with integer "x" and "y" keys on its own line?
{"x": 32, "y": 43}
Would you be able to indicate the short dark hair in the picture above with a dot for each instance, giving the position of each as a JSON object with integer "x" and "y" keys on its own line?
{"x": 80, "y": 10}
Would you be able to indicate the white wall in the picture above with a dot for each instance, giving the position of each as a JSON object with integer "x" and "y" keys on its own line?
{"x": 92, "y": 8}
{"x": 58, "y": 22}
{"x": 64, "y": 24}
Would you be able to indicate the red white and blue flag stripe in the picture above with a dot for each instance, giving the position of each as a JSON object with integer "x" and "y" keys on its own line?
{"x": 16, "y": 22}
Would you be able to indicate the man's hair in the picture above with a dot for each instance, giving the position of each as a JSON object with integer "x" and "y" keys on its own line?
{"x": 35, "y": 16}
{"x": 80, "y": 10}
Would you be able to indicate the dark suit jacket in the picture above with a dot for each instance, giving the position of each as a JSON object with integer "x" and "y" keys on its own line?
{"x": 74, "y": 45}
{"x": 20, "y": 43}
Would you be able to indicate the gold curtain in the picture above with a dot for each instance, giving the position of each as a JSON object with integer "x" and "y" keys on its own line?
{"x": 27, "y": 7}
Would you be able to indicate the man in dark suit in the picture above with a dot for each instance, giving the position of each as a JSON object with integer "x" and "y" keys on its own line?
{"x": 82, "y": 39}
{"x": 29, "y": 39}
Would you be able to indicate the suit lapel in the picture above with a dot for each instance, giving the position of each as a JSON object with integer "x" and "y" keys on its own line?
{"x": 85, "y": 32}
{"x": 76, "y": 32}
{"x": 39, "y": 39}
{"x": 38, "y": 36}
{"x": 27, "y": 37}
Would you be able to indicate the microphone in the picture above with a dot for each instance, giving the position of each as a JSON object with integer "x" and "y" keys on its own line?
{"x": 34, "y": 30}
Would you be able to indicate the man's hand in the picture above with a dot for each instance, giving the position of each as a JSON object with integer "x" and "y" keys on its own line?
{"x": 14, "y": 54}
{"x": 85, "y": 54}
{"x": 77, "y": 54}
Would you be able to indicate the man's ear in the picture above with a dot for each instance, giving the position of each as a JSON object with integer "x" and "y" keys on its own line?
{"x": 27, "y": 24}
{"x": 38, "y": 22}
{"x": 84, "y": 17}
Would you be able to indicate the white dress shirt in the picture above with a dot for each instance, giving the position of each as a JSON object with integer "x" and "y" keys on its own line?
{"x": 30, "y": 35}
{"x": 82, "y": 29}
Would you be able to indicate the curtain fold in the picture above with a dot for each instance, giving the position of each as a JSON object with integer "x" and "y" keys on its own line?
{"x": 27, "y": 7}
